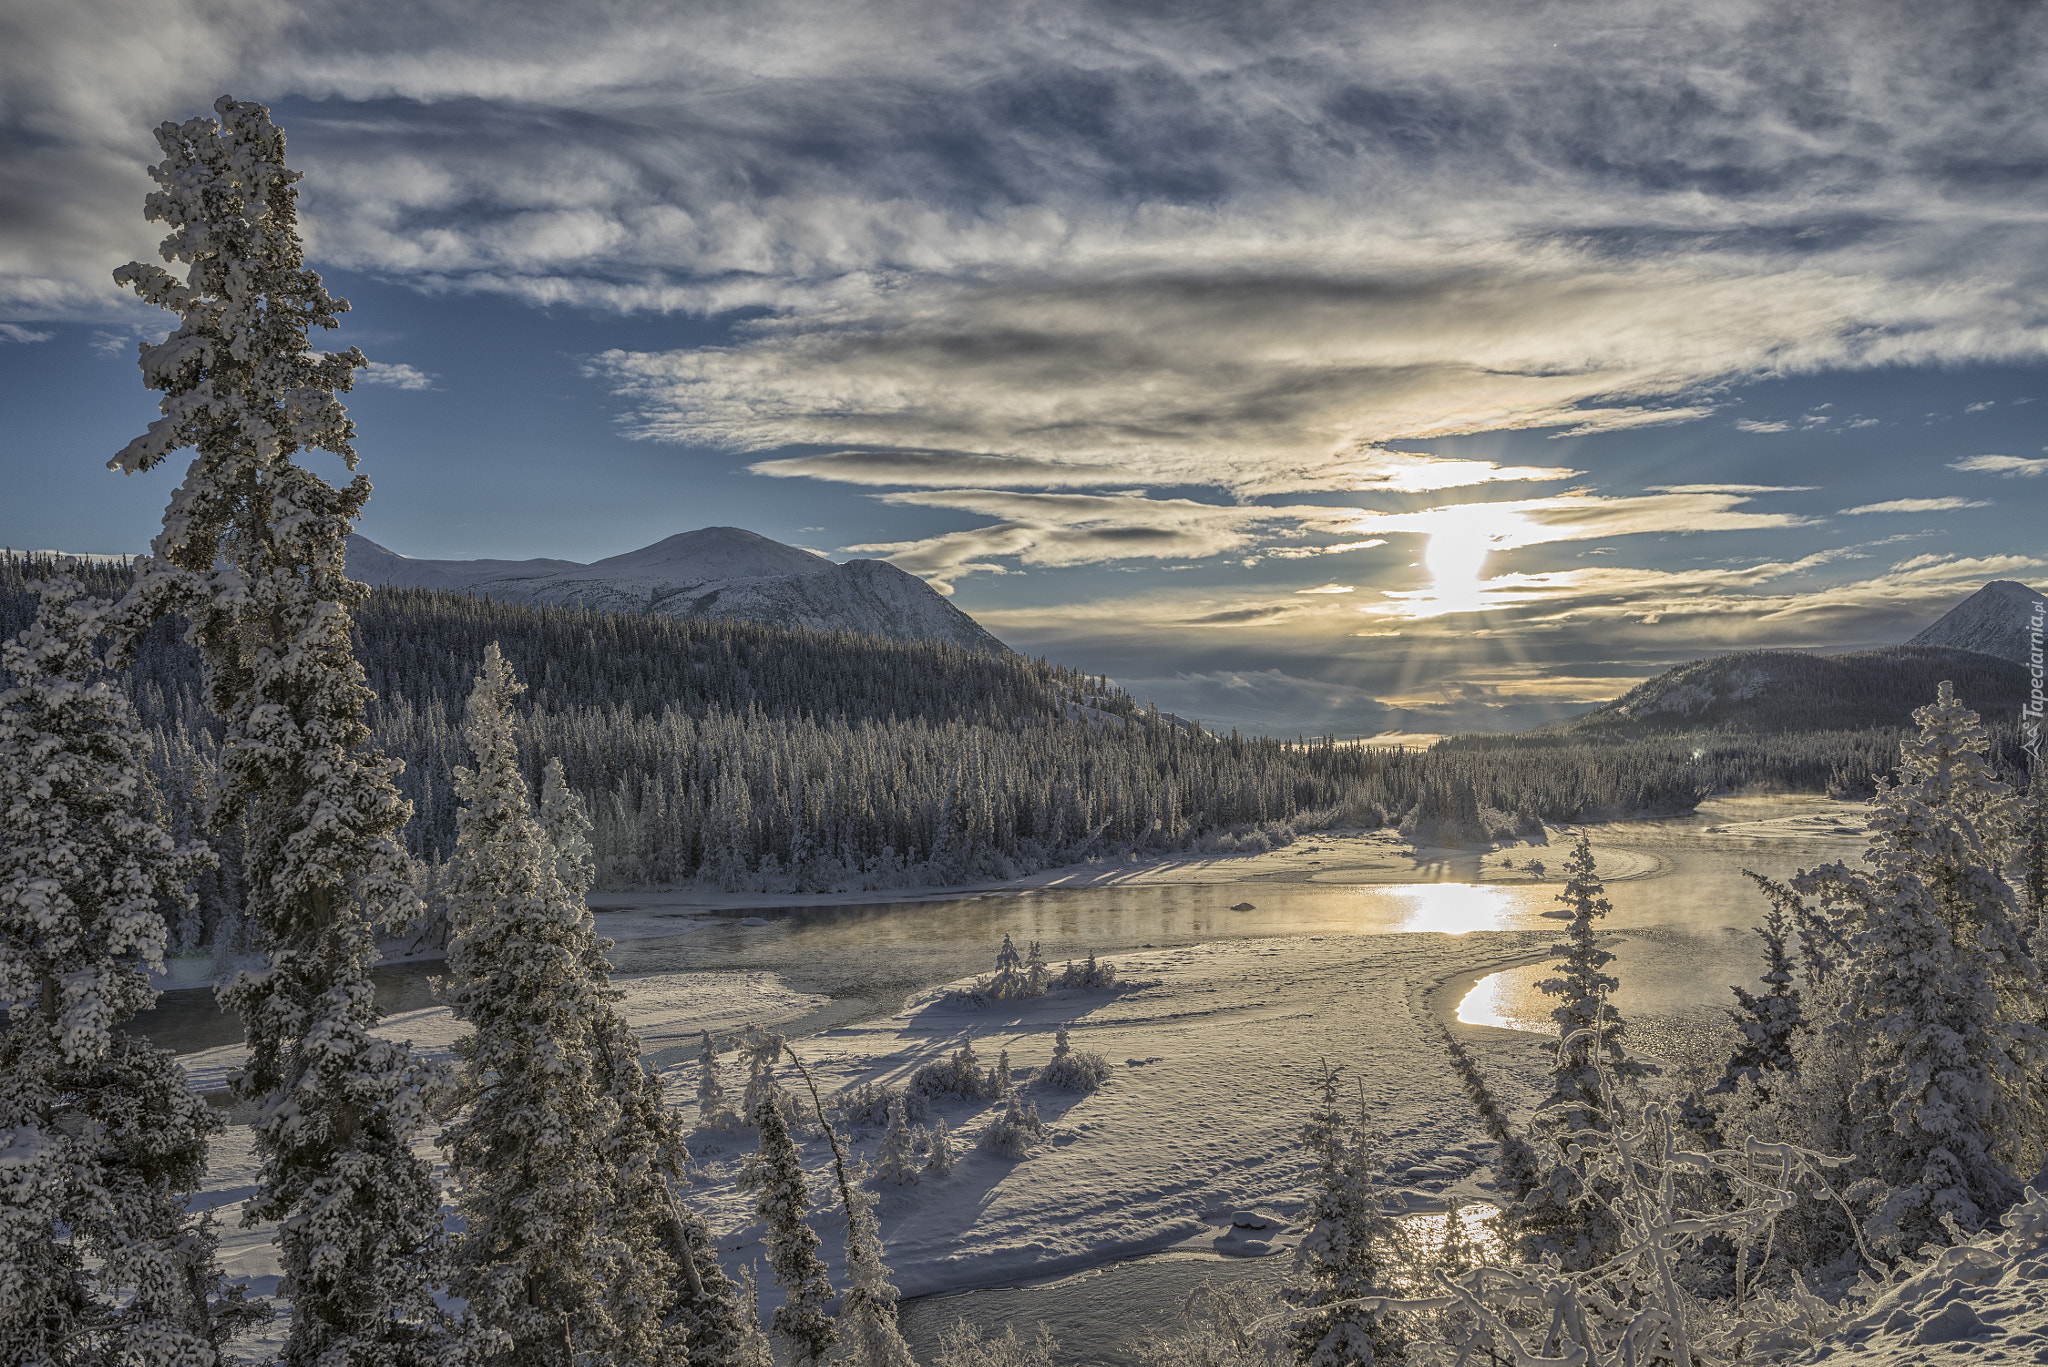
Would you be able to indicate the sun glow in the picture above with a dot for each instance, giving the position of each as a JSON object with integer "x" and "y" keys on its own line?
{"x": 1460, "y": 540}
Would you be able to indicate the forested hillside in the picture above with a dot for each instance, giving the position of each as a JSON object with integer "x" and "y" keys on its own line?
{"x": 760, "y": 757}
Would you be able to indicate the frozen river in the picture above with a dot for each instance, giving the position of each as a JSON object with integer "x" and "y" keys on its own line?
{"x": 1679, "y": 930}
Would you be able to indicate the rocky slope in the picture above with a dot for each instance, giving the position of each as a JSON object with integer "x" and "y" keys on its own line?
{"x": 714, "y": 572}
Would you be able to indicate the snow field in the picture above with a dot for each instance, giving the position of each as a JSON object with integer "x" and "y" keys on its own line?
{"x": 1192, "y": 1143}
{"x": 666, "y": 1010}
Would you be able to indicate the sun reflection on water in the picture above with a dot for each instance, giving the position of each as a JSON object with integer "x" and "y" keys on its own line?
{"x": 1503, "y": 1000}
{"x": 1453, "y": 908}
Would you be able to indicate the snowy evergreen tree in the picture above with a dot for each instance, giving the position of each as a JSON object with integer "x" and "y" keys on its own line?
{"x": 1570, "y": 1210}
{"x": 714, "y": 1110}
{"x": 567, "y": 823}
{"x": 783, "y": 1202}
{"x": 940, "y": 1160}
{"x": 868, "y": 1314}
{"x": 1351, "y": 1248}
{"x": 896, "y": 1161}
{"x": 252, "y": 554}
{"x": 1009, "y": 980}
{"x": 1587, "y": 1026}
{"x": 1001, "y": 1081}
{"x": 761, "y": 1049}
{"x": 1769, "y": 1021}
{"x": 101, "y": 1137}
{"x": 1939, "y": 1022}
{"x": 575, "y": 1244}
{"x": 1037, "y": 977}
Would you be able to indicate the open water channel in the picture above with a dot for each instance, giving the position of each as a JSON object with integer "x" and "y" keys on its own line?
{"x": 1679, "y": 927}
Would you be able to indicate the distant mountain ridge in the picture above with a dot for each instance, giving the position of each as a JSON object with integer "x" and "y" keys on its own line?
{"x": 711, "y": 572}
{"x": 1994, "y": 620}
{"x": 1766, "y": 691}
{"x": 1980, "y": 645}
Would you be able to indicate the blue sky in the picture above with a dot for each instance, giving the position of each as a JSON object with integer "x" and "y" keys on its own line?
{"x": 1302, "y": 366}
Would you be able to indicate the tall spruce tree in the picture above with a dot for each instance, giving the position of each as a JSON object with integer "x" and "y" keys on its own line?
{"x": 1939, "y": 1021}
{"x": 251, "y": 554}
{"x": 1569, "y": 1212}
{"x": 1768, "y": 1021}
{"x": 775, "y": 1173}
{"x": 101, "y": 1137}
{"x": 576, "y": 1246}
{"x": 1351, "y": 1248}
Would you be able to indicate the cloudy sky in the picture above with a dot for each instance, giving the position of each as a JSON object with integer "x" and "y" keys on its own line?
{"x": 1304, "y": 366}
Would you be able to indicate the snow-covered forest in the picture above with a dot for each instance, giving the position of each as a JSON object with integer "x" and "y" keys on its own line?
{"x": 758, "y": 757}
{"x": 1863, "y": 1159}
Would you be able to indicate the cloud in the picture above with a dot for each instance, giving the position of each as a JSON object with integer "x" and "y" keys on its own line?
{"x": 1330, "y": 588}
{"x": 1752, "y": 425}
{"x": 1980, "y": 407}
{"x": 2009, "y": 466}
{"x": 1730, "y": 488}
{"x": 15, "y": 332}
{"x": 1917, "y": 505}
{"x": 394, "y": 375}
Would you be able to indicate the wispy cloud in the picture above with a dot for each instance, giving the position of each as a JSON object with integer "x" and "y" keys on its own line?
{"x": 394, "y": 375}
{"x": 1754, "y": 425}
{"x": 16, "y": 333}
{"x": 1946, "y": 504}
{"x": 2009, "y": 466}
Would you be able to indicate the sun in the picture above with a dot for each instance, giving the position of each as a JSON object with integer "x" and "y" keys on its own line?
{"x": 1460, "y": 540}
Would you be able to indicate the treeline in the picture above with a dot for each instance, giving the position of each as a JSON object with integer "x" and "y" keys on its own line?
{"x": 759, "y": 757}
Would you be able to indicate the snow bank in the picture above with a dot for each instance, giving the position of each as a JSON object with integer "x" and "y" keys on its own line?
{"x": 1981, "y": 1302}
{"x": 665, "y": 1009}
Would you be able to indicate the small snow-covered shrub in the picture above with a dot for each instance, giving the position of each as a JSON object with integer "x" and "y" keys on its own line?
{"x": 960, "y": 1075}
{"x": 965, "y": 1346}
{"x": 1071, "y": 1069}
{"x": 869, "y": 1105}
{"x": 1092, "y": 974}
{"x": 1011, "y": 1134}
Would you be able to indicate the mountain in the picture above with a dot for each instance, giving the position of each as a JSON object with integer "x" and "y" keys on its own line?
{"x": 1765, "y": 691}
{"x": 712, "y": 572}
{"x": 1995, "y": 620}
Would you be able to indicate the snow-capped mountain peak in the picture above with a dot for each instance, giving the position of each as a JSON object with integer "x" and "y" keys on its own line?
{"x": 711, "y": 572}
{"x": 1994, "y": 620}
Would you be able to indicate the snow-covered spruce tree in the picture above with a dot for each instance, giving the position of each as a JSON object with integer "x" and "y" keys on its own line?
{"x": 575, "y": 1246}
{"x": 1009, "y": 980}
{"x": 868, "y": 1314}
{"x": 1351, "y": 1248}
{"x": 940, "y": 1160}
{"x": 714, "y": 1111}
{"x": 1939, "y": 1022}
{"x": 776, "y": 1173}
{"x": 1568, "y": 1212}
{"x": 101, "y": 1137}
{"x": 1037, "y": 977}
{"x": 1586, "y": 1022}
{"x": 252, "y": 554}
{"x": 567, "y": 823}
{"x": 895, "y": 1161}
{"x": 1768, "y": 1021}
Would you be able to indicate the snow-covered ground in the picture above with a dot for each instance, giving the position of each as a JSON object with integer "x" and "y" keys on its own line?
{"x": 1191, "y": 1145}
{"x": 1985, "y": 1301}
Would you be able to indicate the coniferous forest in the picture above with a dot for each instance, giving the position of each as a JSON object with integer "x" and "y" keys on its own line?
{"x": 763, "y": 758}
